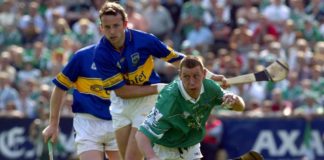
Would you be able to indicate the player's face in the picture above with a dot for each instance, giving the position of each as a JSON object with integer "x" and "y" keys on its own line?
{"x": 192, "y": 80}
{"x": 113, "y": 27}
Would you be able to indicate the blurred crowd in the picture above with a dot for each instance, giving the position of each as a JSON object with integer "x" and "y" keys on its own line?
{"x": 233, "y": 37}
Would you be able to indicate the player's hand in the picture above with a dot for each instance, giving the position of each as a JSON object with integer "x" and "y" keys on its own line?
{"x": 221, "y": 80}
{"x": 50, "y": 133}
{"x": 232, "y": 101}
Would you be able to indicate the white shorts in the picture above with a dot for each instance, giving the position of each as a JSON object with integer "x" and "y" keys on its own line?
{"x": 130, "y": 111}
{"x": 166, "y": 153}
{"x": 93, "y": 134}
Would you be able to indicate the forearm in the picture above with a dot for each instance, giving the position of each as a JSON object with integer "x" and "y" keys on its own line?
{"x": 133, "y": 91}
{"x": 55, "y": 105}
{"x": 145, "y": 145}
{"x": 176, "y": 64}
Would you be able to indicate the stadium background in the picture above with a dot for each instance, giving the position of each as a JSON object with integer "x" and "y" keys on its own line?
{"x": 283, "y": 120}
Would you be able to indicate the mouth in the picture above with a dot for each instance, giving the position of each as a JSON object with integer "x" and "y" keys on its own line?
{"x": 113, "y": 38}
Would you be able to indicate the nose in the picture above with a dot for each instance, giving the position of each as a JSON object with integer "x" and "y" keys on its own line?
{"x": 192, "y": 82}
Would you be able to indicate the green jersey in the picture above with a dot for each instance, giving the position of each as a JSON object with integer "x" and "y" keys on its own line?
{"x": 179, "y": 121}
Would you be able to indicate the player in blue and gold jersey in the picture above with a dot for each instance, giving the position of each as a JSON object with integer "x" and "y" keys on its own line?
{"x": 125, "y": 59}
{"x": 90, "y": 105}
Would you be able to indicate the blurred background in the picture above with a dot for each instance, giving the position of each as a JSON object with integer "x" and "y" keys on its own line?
{"x": 283, "y": 120}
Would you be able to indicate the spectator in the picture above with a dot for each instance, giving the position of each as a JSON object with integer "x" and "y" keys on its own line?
{"x": 311, "y": 32}
{"x": 293, "y": 91}
{"x": 315, "y": 8}
{"x": 76, "y": 11}
{"x": 53, "y": 38}
{"x": 288, "y": 35}
{"x": 200, "y": 37}
{"x": 135, "y": 19}
{"x": 190, "y": 10}
{"x": 303, "y": 46}
{"x": 264, "y": 28}
{"x": 8, "y": 16}
{"x": 242, "y": 37}
{"x": 174, "y": 10}
{"x": 32, "y": 24}
{"x": 5, "y": 66}
{"x": 159, "y": 20}
{"x": 277, "y": 13}
{"x": 85, "y": 36}
{"x": 26, "y": 104}
{"x": 55, "y": 9}
{"x": 28, "y": 72}
{"x": 279, "y": 105}
{"x": 221, "y": 29}
{"x": 7, "y": 92}
{"x": 298, "y": 14}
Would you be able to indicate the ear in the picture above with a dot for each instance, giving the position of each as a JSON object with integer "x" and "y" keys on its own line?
{"x": 100, "y": 27}
{"x": 180, "y": 77}
{"x": 125, "y": 24}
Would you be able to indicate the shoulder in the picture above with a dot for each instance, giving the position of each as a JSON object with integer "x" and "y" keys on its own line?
{"x": 86, "y": 51}
{"x": 168, "y": 97}
{"x": 142, "y": 36}
{"x": 83, "y": 53}
{"x": 211, "y": 86}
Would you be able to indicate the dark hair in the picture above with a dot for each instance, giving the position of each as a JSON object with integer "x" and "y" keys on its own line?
{"x": 112, "y": 8}
{"x": 191, "y": 62}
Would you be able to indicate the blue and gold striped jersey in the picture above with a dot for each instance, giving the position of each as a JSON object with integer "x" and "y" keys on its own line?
{"x": 88, "y": 94}
{"x": 135, "y": 64}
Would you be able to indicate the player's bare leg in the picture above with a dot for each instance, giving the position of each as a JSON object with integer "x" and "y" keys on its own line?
{"x": 122, "y": 136}
{"x": 95, "y": 155}
{"x": 132, "y": 148}
{"x": 113, "y": 155}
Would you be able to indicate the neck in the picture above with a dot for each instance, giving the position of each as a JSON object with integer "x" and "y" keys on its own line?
{"x": 120, "y": 44}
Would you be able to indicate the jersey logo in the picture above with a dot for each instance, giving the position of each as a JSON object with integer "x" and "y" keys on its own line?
{"x": 186, "y": 114}
{"x": 93, "y": 66}
{"x": 135, "y": 58}
{"x": 154, "y": 117}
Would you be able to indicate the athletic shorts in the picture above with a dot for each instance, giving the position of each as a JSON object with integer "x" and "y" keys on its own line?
{"x": 130, "y": 111}
{"x": 92, "y": 133}
{"x": 166, "y": 153}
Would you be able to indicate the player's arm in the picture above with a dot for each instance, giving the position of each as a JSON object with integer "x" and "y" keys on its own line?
{"x": 144, "y": 144}
{"x": 51, "y": 131}
{"x": 233, "y": 102}
{"x": 133, "y": 91}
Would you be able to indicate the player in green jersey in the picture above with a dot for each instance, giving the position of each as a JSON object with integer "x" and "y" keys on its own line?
{"x": 176, "y": 125}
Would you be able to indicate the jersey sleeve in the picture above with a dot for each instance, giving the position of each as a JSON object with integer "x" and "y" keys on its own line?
{"x": 166, "y": 53}
{"x": 155, "y": 125}
{"x": 109, "y": 72}
{"x": 216, "y": 91}
{"x": 66, "y": 78}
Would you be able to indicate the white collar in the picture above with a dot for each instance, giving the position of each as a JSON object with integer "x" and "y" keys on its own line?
{"x": 186, "y": 96}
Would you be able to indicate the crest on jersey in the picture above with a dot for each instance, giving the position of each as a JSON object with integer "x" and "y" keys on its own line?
{"x": 93, "y": 66}
{"x": 135, "y": 58}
